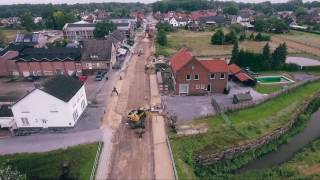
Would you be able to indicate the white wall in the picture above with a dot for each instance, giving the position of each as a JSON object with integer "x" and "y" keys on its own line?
{"x": 6, "y": 122}
{"x": 39, "y": 106}
{"x": 75, "y": 104}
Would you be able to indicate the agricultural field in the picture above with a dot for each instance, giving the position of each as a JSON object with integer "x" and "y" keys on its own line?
{"x": 309, "y": 39}
{"x": 250, "y": 124}
{"x": 199, "y": 43}
{"x": 304, "y": 165}
{"x": 49, "y": 165}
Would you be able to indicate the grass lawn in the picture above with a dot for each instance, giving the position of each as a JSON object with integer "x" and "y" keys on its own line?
{"x": 268, "y": 89}
{"x": 303, "y": 37}
{"x": 10, "y": 34}
{"x": 252, "y": 123}
{"x": 49, "y": 165}
{"x": 304, "y": 165}
{"x": 199, "y": 43}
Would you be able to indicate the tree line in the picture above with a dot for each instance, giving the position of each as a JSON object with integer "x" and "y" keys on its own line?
{"x": 231, "y": 7}
{"x": 45, "y": 10}
{"x": 266, "y": 60}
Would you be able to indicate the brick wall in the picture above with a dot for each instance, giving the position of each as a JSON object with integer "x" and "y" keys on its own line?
{"x": 48, "y": 68}
{"x": 8, "y": 67}
{"x": 200, "y": 86}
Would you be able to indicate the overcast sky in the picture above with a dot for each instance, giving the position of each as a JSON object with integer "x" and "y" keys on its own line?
{"x": 87, "y": 1}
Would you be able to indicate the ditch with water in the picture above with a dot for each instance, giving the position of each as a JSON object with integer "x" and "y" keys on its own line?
{"x": 286, "y": 151}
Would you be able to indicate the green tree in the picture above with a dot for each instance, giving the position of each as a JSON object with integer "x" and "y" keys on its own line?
{"x": 218, "y": 37}
{"x": 103, "y": 29}
{"x": 258, "y": 37}
{"x": 266, "y": 57}
{"x": 237, "y": 28}
{"x": 231, "y": 10}
{"x": 59, "y": 19}
{"x": 242, "y": 37}
{"x": 259, "y": 25}
{"x": 231, "y": 37}
{"x": 162, "y": 38}
{"x": 279, "y": 56}
{"x": 251, "y": 37}
{"x": 235, "y": 53}
{"x": 27, "y": 21}
{"x": 300, "y": 11}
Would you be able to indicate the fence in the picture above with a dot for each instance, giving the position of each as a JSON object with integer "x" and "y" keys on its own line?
{"x": 172, "y": 159}
{"x": 95, "y": 163}
{"x": 248, "y": 104}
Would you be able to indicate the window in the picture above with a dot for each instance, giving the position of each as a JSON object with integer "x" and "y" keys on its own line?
{"x": 25, "y": 121}
{"x": 188, "y": 77}
{"x": 212, "y": 76}
{"x": 44, "y": 121}
{"x": 83, "y": 104}
{"x": 222, "y": 76}
{"x": 203, "y": 86}
{"x": 75, "y": 115}
{"x": 196, "y": 77}
{"x": 197, "y": 86}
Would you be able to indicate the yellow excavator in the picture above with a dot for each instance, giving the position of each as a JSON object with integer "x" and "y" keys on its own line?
{"x": 136, "y": 118}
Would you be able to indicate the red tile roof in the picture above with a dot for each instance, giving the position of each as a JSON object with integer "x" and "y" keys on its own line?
{"x": 181, "y": 58}
{"x": 234, "y": 69}
{"x": 215, "y": 65}
{"x": 243, "y": 77}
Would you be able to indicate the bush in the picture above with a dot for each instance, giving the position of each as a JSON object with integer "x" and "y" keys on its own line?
{"x": 260, "y": 37}
{"x": 218, "y": 37}
{"x": 242, "y": 37}
{"x": 231, "y": 37}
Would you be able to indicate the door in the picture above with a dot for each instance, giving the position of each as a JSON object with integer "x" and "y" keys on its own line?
{"x": 183, "y": 88}
{"x": 209, "y": 88}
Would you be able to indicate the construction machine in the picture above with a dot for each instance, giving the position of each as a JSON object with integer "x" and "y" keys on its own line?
{"x": 136, "y": 118}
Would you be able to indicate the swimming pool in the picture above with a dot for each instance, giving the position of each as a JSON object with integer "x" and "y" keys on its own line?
{"x": 273, "y": 79}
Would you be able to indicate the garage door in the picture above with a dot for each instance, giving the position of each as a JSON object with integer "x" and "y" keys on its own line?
{"x": 26, "y": 73}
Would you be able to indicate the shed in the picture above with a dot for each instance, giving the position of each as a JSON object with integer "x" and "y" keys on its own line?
{"x": 238, "y": 98}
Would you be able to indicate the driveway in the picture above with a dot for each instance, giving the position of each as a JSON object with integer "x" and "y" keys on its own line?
{"x": 188, "y": 108}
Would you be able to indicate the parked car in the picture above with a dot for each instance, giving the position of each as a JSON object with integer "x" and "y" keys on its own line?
{"x": 83, "y": 78}
{"x": 99, "y": 76}
{"x": 32, "y": 78}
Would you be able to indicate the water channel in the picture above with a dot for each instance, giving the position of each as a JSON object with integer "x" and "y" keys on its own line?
{"x": 286, "y": 151}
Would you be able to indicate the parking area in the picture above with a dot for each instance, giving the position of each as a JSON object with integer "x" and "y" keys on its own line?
{"x": 12, "y": 91}
{"x": 188, "y": 108}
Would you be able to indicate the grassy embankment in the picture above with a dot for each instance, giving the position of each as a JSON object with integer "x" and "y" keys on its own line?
{"x": 49, "y": 165}
{"x": 252, "y": 123}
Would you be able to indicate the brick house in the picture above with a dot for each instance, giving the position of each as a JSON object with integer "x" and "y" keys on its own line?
{"x": 98, "y": 55}
{"x": 195, "y": 77}
{"x": 47, "y": 62}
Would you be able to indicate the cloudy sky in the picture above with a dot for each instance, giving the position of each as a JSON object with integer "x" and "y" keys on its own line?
{"x": 87, "y": 1}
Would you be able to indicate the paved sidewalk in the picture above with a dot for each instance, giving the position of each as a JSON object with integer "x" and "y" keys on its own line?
{"x": 163, "y": 164}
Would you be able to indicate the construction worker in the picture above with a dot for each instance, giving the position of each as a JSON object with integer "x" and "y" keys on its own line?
{"x": 115, "y": 91}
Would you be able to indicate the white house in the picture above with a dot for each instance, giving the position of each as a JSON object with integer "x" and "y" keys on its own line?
{"x": 6, "y": 117}
{"x": 174, "y": 22}
{"x": 59, "y": 103}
